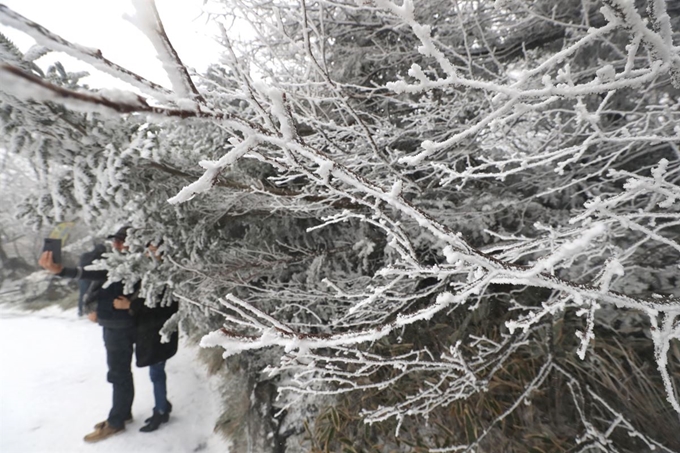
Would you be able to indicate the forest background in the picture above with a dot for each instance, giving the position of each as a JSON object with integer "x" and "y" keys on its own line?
{"x": 414, "y": 226}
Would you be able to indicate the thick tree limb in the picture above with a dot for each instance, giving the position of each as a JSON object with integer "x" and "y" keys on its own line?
{"x": 28, "y": 86}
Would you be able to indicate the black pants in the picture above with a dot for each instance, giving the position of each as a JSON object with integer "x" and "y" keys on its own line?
{"x": 119, "y": 345}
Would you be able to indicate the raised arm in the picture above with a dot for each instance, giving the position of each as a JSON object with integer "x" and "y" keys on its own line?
{"x": 46, "y": 261}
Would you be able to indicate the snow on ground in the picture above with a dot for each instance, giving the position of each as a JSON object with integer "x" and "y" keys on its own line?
{"x": 53, "y": 389}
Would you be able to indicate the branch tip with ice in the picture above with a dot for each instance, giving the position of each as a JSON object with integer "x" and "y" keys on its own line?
{"x": 149, "y": 22}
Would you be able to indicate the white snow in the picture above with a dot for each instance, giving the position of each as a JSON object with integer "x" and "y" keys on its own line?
{"x": 53, "y": 389}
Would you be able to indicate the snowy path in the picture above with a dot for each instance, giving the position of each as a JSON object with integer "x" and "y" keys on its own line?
{"x": 53, "y": 389}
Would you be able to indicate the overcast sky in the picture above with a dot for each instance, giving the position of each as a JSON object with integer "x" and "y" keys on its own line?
{"x": 100, "y": 24}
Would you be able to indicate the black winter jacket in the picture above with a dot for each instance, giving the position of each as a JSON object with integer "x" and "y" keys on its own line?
{"x": 150, "y": 321}
{"x": 107, "y": 316}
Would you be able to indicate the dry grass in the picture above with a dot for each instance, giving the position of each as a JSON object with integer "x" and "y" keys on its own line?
{"x": 620, "y": 370}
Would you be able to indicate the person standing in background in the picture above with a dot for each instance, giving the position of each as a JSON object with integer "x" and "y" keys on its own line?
{"x": 151, "y": 351}
{"x": 83, "y": 285}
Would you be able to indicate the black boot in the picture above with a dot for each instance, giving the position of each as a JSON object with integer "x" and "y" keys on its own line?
{"x": 153, "y": 422}
{"x": 149, "y": 419}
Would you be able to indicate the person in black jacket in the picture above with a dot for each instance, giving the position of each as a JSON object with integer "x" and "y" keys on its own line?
{"x": 150, "y": 350}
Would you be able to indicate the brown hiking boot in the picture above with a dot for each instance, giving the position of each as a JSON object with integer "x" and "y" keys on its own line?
{"x": 100, "y": 425}
{"x": 102, "y": 432}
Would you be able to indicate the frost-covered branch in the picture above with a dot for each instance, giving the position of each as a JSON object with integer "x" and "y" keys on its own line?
{"x": 29, "y": 86}
{"x": 149, "y": 22}
{"x": 88, "y": 55}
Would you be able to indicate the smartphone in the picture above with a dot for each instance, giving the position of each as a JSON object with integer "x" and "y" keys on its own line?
{"x": 54, "y": 246}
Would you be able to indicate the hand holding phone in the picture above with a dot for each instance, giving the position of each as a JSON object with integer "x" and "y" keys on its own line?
{"x": 47, "y": 258}
{"x": 54, "y": 246}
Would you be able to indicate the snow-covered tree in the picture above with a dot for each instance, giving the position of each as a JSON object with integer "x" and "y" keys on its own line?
{"x": 456, "y": 220}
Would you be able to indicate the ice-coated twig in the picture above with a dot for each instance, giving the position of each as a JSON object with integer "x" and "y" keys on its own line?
{"x": 149, "y": 22}
{"x": 259, "y": 313}
{"x": 619, "y": 420}
{"x": 226, "y": 316}
{"x": 663, "y": 333}
{"x": 535, "y": 383}
{"x": 659, "y": 37}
